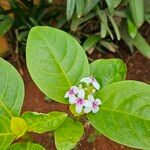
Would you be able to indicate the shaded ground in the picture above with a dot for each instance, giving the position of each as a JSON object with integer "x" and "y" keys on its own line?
{"x": 138, "y": 69}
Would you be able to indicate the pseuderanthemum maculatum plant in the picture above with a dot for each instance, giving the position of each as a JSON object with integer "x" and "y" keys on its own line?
{"x": 95, "y": 92}
{"x": 117, "y": 109}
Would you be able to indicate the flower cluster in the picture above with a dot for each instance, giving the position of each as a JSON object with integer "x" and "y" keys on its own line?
{"x": 82, "y": 96}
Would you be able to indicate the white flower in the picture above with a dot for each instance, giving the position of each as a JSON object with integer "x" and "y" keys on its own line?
{"x": 72, "y": 91}
{"x": 91, "y": 80}
{"x": 92, "y": 104}
{"x": 79, "y": 101}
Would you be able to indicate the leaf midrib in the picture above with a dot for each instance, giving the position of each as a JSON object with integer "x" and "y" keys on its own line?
{"x": 56, "y": 60}
{"x": 6, "y": 109}
{"x": 121, "y": 112}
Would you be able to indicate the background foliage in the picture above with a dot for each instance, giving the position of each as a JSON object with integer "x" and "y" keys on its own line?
{"x": 97, "y": 24}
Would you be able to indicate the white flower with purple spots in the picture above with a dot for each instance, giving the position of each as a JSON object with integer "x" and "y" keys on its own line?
{"x": 92, "y": 104}
{"x": 72, "y": 92}
{"x": 79, "y": 102}
{"x": 91, "y": 80}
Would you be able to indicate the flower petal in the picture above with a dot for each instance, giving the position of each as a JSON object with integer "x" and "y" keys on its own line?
{"x": 91, "y": 98}
{"x": 86, "y": 80}
{"x": 79, "y": 108}
{"x": 98, "y": 101}
{"x": 96, "y": 85}
{"x": 72, "y": 99}
{"x": 87, "y": 110}
{"x": 95, "y": 110}
{"x": 66, "y": 95}
{"x": 75, "y": 88}
{"x": 88, "y": 104}
{"x": 81, "y": 93}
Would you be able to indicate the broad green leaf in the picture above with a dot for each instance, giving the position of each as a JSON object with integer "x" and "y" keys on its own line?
{"x": 90, "y": 4}
{"x": 90, "y": 42}
{"x": 11, "y": 90}
{"x": 68, "y": 134}
{"x": 55, "y": 61}
{"x": 124, "y": 115}
{"x": 18, "y": 126}
{"x": 107, "y": 71}
{"x": 26, "y": 146}
{"x": 141, "y": 45}
{"x": 80, "y": 4}
{"x": 112, "y": 4}
{"x": 40, "y": 123}
{"x": 115, "y": 26}
{"x": 5, "y": 25}
{"x": 137, "y": 11}
{"x": 70, "y": 8}
{"x": 6, "y": 137}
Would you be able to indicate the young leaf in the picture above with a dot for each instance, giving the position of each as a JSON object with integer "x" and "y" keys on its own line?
{"x": 6, "y": 136}
{"x": 90, "y": 42}
{"x": 70, "y": 8}
{"x": 125, "y": 113}
{"x": 137, "y": 11}
{"x": 107, "y": 71}
{"x": 25, "y": 146}
{"x": 68, "y": 134}
{"x": 55, "y": 61}
{"x": 40, "y": 123}
{"x": 11, "y": 90}
{"x": 80, "y": 7}
{"x": 18, "y": 126}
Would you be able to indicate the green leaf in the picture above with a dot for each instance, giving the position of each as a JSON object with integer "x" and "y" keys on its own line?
{"x": 70, "y": 8}
{"x": 140, "y": 43}
{"x": 112, "y": 4}
{"x": 11, "y": 90}
{"x": 107, "y": 71}
{"x": 6, "y": 137}
{"x": 18, "y": 126}
{"x": 78, "y": 21}
{"x": 26, "y": 146}
{"x": 68, "y": 134}
{"x": 5, "y": 25}
{"x": 132, "y": 29}
{"x": 90, "y": 4}
{"x": 114, "y": 26}
{"x": 90, "y": 42}
{"x": 80, "y": 4}
{"x": 103, "y": 20}
{"x": 137, "y": 11}
{"x": 55, "y": 61}
{"x": 40, "y": 123}
{"x": 124, "y": 115}
{"x": 103, "y": 23}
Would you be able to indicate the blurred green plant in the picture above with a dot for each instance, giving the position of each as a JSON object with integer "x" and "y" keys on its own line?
{"x": 115, "y": 20}
{"x": 27, "y": 14}
{"x": 97, "y": 24}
